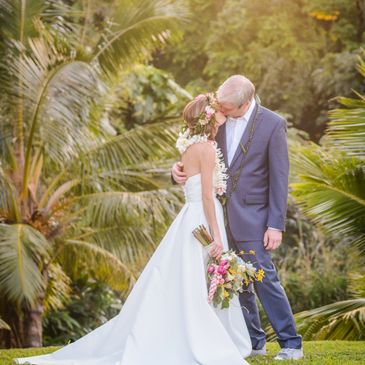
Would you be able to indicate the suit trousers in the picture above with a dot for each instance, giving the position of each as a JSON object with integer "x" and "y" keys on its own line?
{"x": 273, "y": 299}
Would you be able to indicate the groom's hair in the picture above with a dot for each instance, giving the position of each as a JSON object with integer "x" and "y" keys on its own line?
{"x": 237, "y": 90}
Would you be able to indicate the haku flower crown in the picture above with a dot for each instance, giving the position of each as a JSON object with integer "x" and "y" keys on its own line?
{"x": 207, "y": 117}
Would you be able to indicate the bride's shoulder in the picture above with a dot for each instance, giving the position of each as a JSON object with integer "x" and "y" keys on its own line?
{"x": 201, "y": 146}
{"x": 206, "y": 150}
{"x": 204, "y": 146}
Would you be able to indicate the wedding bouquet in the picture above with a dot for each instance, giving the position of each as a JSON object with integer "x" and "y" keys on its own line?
{"x": 227, "y": 275}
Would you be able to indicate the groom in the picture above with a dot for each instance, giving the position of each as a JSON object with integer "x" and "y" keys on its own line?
{"x": 254, "y": 144}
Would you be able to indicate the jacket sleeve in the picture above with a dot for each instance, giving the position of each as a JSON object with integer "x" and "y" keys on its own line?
{"x": 278, "y": 177}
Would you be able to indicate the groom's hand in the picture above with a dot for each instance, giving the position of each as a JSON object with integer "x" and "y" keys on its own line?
{"x": 272, "y": 239}
{"x": 178, "y": 173}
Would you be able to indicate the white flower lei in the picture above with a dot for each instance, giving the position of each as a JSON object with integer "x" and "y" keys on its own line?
{"x": 220, "y": 172}
{"x": 220, "y": 176}
{"x": 184, "y": 140}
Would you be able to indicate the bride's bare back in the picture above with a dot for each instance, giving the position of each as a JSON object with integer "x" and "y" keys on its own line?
{"x": 191, "y": 160}
{"x": 199, "y": 158}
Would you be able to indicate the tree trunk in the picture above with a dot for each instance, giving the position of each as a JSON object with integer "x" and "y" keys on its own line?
{"x": 33, "y": 318}
{"x": 32, "y": 325}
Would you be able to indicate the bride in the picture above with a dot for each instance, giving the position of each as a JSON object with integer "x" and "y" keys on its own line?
{"x": 167, "y": 319}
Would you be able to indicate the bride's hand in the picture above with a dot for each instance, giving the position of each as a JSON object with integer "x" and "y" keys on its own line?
{"x": 216, "y": 249}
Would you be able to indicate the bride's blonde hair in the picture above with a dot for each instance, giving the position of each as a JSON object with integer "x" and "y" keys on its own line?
{"x": 192, "y": 115}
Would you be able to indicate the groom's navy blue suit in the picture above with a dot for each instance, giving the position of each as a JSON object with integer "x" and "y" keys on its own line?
{"x": 259, "y": 202}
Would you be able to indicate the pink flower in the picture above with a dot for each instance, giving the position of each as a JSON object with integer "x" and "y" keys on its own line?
{"x": 210, "y": 269}
{"x": 222, "y": 270}
{"x": 209, "y": 111}
{"x": 221, "y": 281}
{"x": 224, "y": 262}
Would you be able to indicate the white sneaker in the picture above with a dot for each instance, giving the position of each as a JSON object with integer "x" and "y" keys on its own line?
{"x": 261, "y": 352}
{"x": 289, "y": 354}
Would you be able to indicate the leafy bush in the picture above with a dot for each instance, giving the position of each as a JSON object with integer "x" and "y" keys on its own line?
{"x": 91, "y": 304}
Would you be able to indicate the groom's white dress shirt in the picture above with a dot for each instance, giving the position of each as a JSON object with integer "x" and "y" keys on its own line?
{"x": 235, "y": 127}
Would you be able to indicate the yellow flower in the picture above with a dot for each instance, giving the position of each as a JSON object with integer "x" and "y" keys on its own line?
{"x": 252, "y": 252}
{"x": 241, "y": 252}
{"x": 260, "y": 275}
{"x": 226, "y": 294}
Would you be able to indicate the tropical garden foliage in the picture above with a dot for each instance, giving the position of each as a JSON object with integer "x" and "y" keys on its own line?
{"x": 73, "y": 196}
{"x": 299, "y": 53}
{"x": 331, "y": 190}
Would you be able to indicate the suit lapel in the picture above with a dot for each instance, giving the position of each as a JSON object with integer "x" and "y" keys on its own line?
{"x": 246, "y": 133}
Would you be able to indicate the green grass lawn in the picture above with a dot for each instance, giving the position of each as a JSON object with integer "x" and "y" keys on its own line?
{"x": 316, "y": 353}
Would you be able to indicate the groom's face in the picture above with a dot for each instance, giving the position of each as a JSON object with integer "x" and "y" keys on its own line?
{"x": 232, "y": 110}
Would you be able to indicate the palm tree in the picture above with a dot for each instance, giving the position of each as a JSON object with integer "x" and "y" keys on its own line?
{"x": 330, "y": 188}
{"x": 72, "y": 197}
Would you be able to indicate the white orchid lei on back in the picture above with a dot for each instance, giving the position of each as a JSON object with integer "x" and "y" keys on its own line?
{"x": 186, "y": 138}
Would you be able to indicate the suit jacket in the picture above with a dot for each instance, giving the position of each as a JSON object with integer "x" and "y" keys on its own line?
{"x": 260, "y": 199}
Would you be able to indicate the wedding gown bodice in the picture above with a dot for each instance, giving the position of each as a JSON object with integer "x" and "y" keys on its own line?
{"x": 193, "y": 189}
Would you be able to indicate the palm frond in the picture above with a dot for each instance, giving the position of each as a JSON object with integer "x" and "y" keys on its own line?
{"x": 147, "y": 143}
{"x": 124, "y": 180}
{"x": 4, "y": 325}
{"x": 6, "y": 135}
{"x": 346, "y": 130}
{"x": 99, "y": 263}
{"x": 140, "y": 26}
{"x": 16, "y": 18}
{"x": 128, "y": 243}
{"x": 347, "y": 126}
{"x": 59, "y": 91}
{"x": 108, "y": 208}
{"x": 22, "y": 252}
{"x": 357, "y": 284}
{"x": 9, "y": 210}
{"x": 338, "y": 321}
{"x": 58, "y": 288}
{"x": 331, "y": 190}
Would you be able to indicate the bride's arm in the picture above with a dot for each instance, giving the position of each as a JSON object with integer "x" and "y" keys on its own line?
{"x": 207, "y": 165}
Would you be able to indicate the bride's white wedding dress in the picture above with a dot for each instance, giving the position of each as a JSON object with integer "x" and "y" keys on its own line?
{"x": 166, "y": 319}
